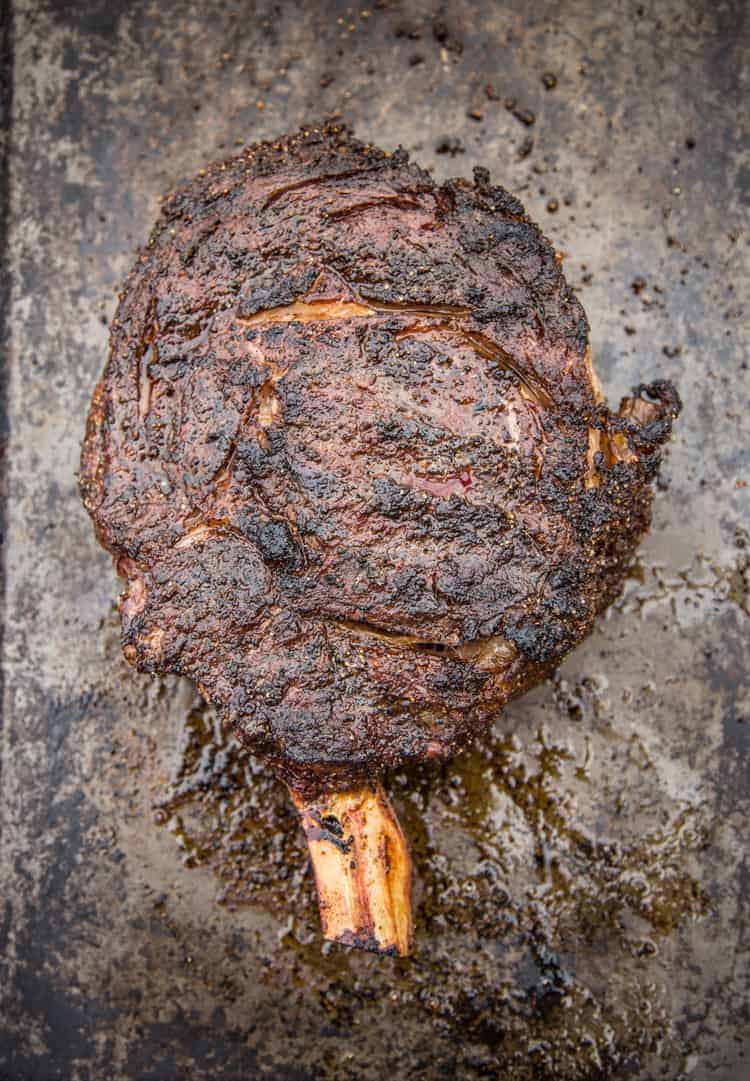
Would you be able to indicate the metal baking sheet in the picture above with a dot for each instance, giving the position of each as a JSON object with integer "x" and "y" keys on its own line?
{"x": 582, "y": 875}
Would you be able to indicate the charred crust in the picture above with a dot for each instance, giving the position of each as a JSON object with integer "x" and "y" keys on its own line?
{"x": 321, "y": 506}
{"x": 366, "y": 940}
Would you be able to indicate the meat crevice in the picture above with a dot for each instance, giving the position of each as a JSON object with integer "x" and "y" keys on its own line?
{"x": 392, "y": 638}
{"x": 399, "y": 201}
{"x": 311, "y": 182}
{"x": 315, "y": 311}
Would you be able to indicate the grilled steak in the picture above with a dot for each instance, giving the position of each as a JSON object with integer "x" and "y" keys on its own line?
{"x": 350, "y": 454}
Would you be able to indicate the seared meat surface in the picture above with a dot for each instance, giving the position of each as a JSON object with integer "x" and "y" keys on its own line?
{"x": 350, "y": 454}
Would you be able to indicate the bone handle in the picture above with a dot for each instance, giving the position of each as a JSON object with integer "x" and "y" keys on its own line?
{"x": 362, "y": 868}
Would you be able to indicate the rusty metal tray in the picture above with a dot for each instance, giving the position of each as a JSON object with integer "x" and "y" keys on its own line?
{"x": 582, "y": 876}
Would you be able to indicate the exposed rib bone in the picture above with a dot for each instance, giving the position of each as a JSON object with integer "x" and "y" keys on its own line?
{"x": 362, "y": 868}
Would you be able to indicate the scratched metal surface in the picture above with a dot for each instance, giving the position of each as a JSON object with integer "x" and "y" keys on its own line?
{"x": 582, "y": 877}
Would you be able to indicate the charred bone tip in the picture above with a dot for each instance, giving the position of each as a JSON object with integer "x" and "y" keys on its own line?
{"x": 362, "y": 868}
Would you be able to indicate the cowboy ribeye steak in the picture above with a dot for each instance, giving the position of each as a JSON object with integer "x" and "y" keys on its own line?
{"x": 350, "y": 455}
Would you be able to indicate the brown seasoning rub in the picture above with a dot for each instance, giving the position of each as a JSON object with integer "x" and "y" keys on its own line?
{"x": 356, "y": 474}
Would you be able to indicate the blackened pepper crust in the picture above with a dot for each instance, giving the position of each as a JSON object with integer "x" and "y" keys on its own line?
{"x": 349, "y": 453}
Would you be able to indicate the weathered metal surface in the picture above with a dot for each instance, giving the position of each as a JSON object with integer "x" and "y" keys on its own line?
{"x": 582, "y": 878}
